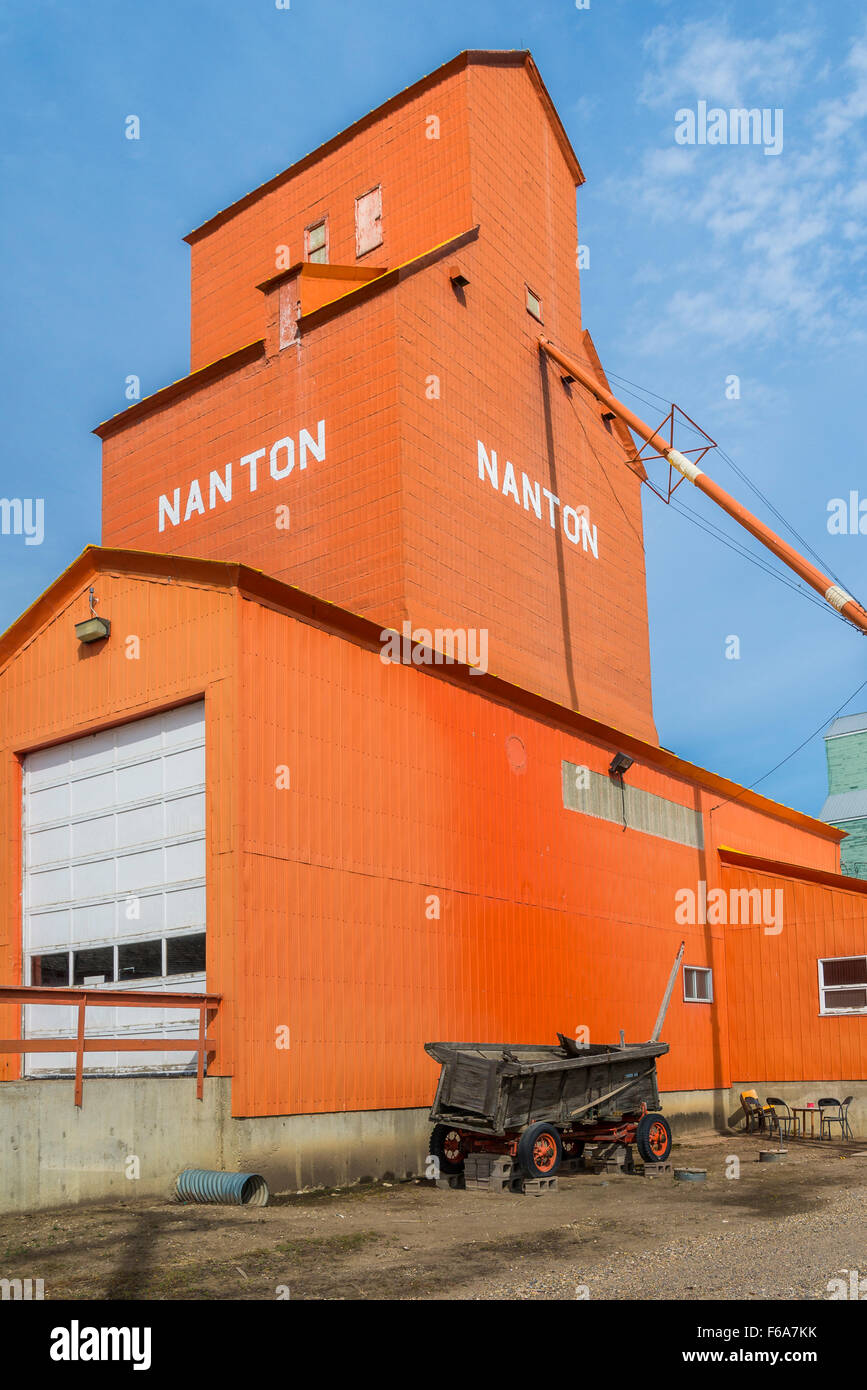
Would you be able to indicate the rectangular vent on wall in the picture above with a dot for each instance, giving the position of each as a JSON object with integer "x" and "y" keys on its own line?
{"x": 596, "y": 794}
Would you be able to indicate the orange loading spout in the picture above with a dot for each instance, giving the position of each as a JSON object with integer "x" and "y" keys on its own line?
{"x": 831, "y": 592}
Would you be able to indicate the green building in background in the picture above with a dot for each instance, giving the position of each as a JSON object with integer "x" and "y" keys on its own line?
{"x": 846, "y": 806}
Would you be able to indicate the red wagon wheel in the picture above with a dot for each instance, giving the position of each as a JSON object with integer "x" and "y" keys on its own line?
{"x": 452, "y": 1146}
{"x": 658, "y": 1139}
{"x": 653, "y": 1138}
{"x": 540, "y": 1149}
{"x": 545, "y": 1153}
{"x": 446, "y": 1145}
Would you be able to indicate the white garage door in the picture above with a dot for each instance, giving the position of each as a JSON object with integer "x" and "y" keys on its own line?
{"x": 114, "y": 882}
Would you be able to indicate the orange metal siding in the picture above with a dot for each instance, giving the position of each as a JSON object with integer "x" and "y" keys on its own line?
{"x": 341, "y": 538}
{"x": 55, "y": 689}
{"x": 776, "y": 1030}
{"x": 426, "y": 200}
{"x": 401, "y": 788}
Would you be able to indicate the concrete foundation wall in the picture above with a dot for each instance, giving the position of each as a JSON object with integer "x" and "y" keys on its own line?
{"x": 52, "y": 1154}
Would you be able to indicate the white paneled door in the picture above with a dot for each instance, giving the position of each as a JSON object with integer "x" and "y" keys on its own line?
{"x": 114, "y": 882}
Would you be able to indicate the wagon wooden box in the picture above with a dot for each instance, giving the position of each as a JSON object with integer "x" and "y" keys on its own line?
{"x": 492, "y": 1088}
{"x": 542, "y": 1103}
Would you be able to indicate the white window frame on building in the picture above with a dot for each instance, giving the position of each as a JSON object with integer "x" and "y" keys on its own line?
{"x": 166, "y": 953}
{"x": 368, "y": 221}
{"x": 825, "y": 990}
{"x": 534, "y": 304}
{"x": 316, "y": 242}
{"x": 691, "y": 974}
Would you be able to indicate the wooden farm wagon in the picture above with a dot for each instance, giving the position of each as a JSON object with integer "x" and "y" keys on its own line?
{"x": 542, "y": 1103}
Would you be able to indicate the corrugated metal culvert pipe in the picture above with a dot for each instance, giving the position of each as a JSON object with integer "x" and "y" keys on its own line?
{"x": 205, "y": 1185}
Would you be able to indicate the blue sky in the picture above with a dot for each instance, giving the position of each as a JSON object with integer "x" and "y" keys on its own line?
{"x": 705, "y": 262}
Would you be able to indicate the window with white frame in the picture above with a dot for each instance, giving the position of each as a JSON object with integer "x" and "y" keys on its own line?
{"x": 843, "y": 985}
{"x": 122, "y": 962}
{"x": 697, "y": 985}
{"x": 316, "y": 242}
{"x": 534, "y": 304}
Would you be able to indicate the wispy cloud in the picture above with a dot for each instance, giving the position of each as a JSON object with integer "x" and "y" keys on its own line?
{"x": 783, "y": 255}
{"x": 704, "y": 60}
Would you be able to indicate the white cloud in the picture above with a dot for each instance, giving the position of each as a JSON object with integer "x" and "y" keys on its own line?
{"x": 703, "y": 60}
{"x": 781, "y": 256}
{"x": 839, "y": 115}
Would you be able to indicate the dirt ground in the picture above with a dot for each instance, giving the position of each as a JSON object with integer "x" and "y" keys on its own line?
{"x": 779, "y": 1231}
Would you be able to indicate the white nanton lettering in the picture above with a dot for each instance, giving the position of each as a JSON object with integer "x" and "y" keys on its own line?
{"x": 574, "y": 521}
{"x": 173, "y": 509}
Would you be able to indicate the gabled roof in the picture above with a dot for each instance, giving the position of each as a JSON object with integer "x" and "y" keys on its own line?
{"x": 848, "y": 724}
{"x": 262, "y": 588}
{"x": 845, "y": 806}
{"x": 490, "y": 57}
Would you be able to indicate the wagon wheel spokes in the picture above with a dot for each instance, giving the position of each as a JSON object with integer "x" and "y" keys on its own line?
{"x": 657, "y": 1138}
{"x": 452, "y": 1146}
{"x": 544, "y": 1152}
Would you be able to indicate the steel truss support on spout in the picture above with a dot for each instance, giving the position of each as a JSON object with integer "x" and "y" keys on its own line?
{"x": 830, "y": 591}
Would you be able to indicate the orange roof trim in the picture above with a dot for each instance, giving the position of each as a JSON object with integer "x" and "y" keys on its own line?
{"x": 737, "y": 860}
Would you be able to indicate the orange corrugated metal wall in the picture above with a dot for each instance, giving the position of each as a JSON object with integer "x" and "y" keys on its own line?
{"x": 426, "y": 198}
{"x": 401, "y": 791}
{"x": 55, "y": 689}
{"x": 776, "y": 1031}
{"x": 344, "y": 796}
{"x": 561, "y": 622}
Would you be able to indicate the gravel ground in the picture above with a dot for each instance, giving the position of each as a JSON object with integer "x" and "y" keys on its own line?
{"x": 778, "y": 1231}
{"x": 794, "y": 1258}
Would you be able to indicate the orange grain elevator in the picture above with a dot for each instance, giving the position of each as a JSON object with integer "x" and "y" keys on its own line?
{"x": 374, "y": 573}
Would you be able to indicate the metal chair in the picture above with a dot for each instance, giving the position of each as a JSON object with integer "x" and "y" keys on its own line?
{"x": 755, "y": 1113}
{"x": 780, "y": 1117}
{"x": 841, "y": 1118}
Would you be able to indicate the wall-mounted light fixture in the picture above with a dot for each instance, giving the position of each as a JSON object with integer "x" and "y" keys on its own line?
{"x": 457, "y": 277}
{"x": 93, "y": 629}
{"x": 620, "y": 763}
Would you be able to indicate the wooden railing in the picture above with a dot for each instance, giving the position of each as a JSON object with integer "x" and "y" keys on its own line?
{"x": 204, "y": 1004}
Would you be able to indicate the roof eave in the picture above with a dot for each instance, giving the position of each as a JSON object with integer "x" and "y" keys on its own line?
{"x": 490, "y": 57}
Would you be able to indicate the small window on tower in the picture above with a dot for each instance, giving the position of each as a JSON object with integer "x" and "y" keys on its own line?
{"x": 316, "y": 242}
{"x": 534, "y": 304}
{"x": 368, "y": 221}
